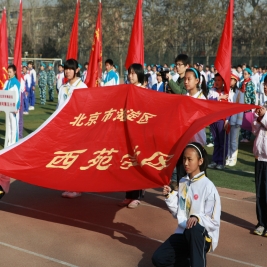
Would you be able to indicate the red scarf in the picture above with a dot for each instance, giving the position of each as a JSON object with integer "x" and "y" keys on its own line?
{"x": 243, "y": 88}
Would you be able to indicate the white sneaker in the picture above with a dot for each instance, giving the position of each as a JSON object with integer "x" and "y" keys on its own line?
{"x": 228, "y": 161}
{"x": 134, "y": 204}
{"x": 210, "y": 145}
{"x": 125, "y": 202}
{"x": 219, "y": 167}
{"x": 212, "y": 165}
{"x": 25, "y": 113}
{"x": 68, "y": 194}
{"x": 31, "y": 107}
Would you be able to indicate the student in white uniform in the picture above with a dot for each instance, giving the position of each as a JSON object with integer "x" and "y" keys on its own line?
{"x": 60, "y": 77}
{"x": 191, "y": 83}
{"x": 235, "y": 96}
{"x": 197, "y": 207}
{"x": 12, "y": 84}
{"x": 65, "y": 91}
{"x": 259, "y": 127}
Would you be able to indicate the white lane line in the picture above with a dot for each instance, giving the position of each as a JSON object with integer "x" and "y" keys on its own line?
{"x": 37, "y": 255}
{"x": 116, "y": 230}
{"x": 230, "y": 259}
{"x": 240, "y": 200}
{"x": 145, "y": 204}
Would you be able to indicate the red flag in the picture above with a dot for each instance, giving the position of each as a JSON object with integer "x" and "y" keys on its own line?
{"x": 18, "y": 44}
{"x": 95, "y": 62}
{"x": 4, "y": 50}
{"x": 223, "y": 60}
{"x": 114, "y": 140}
{"x": 136, "y": 45}
{"x": 73, "y": 44}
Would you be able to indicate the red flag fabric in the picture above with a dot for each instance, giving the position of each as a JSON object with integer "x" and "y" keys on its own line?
{"x": 73, "y": 44}
{"x": 136, "y": 45}
{"x": 4, "y": 50}
{"x": 18, "y": 44}
{"x": 95, "y": 62}
{"x": 223, "y": 60}
{"x": 120, "y": 139}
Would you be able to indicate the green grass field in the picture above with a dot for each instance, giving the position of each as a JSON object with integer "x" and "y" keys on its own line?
{"x": 240, "y": 177}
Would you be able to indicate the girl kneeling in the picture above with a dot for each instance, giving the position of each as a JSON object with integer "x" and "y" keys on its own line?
{"x": 197, "y": 207}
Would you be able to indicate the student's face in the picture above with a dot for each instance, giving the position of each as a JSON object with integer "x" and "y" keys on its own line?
{"x": 191, "y": 162}
{"x": 69, "y": 73}
{"x": 175, "y": 69}
{"x": 108, "y": 67}
{"x": 133, "y": 79}
{"x": 246, "y": 74}
{"x": 181, "y": 68}
{"x": 190, "y": 81}
{"x": 60, "y": 68}
{"x": 24, "y": 70}
{"x": 200, "y": 68}
{"x": 154, "y": 69}
{"x": 239, "y": 69}
{"x": 212, "y": 69}
{"x": 149, "y": 68}
{"x": 42, "y": 68}
{"x": 243, "y": 67}
{"x": 86, "y": 67}
{"x": 218, "y": 82}
{"x": 30, "y": 66}
{"x": 159, "y": 78}
{"x": 233, "y": 82}
{"x": 11, "y": 73}
{"x": 165, "y": 66}
{"x": 265, "y": 88}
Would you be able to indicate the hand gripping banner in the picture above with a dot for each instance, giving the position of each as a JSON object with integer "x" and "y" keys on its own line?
{"x": 115, "y": 138}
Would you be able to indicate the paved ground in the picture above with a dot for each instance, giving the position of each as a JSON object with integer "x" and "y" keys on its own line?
{"x": 39, "y": 228}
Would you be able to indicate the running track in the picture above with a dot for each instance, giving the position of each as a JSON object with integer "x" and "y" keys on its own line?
{"x": 39, "y": 228}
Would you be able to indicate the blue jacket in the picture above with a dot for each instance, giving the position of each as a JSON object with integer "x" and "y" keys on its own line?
{"x": 161, "y": 88}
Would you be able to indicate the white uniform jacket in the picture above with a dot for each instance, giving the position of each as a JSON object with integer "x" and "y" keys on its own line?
{"x": 237, "y": 97}
{"x": 199, "y": 137}
{"x": 259, "y": 129}
{"x": 198, "y": 197}
{"x": 65, "y": 91}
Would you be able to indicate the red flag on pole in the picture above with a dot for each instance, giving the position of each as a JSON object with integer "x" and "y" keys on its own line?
{"x": 223, "y": 60}
{"x": 95, "y": 62}
{"x": 18, "y": 44}
{"x": 4, "y": 50}
{"x": 136, "y": 45}
{"x": 73, "y": 44}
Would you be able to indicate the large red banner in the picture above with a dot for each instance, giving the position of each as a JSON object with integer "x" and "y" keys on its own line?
{"x": 119, "y": 139}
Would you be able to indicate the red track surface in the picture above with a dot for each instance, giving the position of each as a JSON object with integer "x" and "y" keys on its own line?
{"x": 39, "y": 228}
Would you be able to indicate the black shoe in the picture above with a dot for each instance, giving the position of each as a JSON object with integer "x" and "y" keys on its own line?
{"x": 2, "y": 192}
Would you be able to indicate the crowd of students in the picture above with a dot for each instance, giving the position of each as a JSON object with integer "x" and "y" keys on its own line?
{"x": 194, "y": 200}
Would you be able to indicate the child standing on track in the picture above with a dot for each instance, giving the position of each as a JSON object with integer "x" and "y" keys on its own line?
{"x": 259, "y": 129}
{"x": 218, "y": 128}
{"x": 197, "y": 208}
